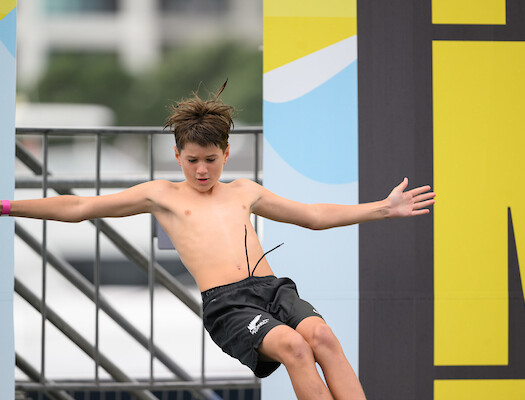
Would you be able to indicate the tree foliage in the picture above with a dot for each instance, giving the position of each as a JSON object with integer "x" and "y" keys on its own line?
{"x": 143, "y": 99}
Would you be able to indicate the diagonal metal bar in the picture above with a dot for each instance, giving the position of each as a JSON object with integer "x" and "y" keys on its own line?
{"x": 88, "y": 289}
{"x": 161, "y": 275}
{"x": 79, "y": 340}
{"x": 34, "y": 375}
{"x": 28, "y": 159}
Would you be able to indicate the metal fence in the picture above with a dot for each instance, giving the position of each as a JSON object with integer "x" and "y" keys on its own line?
{"x": 122, "y": 386}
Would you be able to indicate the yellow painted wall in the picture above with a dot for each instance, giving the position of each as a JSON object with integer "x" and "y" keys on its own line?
{"x": 479, "y": 170}
{"x": 479, "y": 12}
{"x": 294, "y": 29}
{"x": 493, "y": 389}
{"x": 6, "y": 6}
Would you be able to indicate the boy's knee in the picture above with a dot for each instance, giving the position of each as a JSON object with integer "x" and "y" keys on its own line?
{"x": 324, "y": 339}
{"x": 295, "y": 348}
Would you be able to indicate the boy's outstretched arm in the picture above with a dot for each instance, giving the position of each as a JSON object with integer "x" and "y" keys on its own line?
{"x": 323, "y": 216}
{"x": 135, "y": 200}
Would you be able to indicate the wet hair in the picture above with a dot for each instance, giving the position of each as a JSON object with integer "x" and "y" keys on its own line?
{"x": 204, "y": 122}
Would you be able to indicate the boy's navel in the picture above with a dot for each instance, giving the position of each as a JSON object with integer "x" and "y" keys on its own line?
{"x": 187, "y": 212}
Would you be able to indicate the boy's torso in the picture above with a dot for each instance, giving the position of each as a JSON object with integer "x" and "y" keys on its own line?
{"x": 208, "y": 231}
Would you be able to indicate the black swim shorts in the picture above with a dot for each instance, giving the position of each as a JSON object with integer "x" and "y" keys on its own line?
{"x": 239, "y": 315}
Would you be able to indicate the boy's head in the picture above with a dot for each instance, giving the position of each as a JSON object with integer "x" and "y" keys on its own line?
{"x": 203, "y": 122}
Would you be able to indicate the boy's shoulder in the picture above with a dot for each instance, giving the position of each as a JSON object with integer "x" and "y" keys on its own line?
{"x": 162, "y": 184}
{"x": 244, "y": 184}
{"x": 161, "y": 187}
{"x": 243, "y": 190}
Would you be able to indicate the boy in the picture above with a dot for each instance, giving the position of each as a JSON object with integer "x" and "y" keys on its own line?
{"x": 251, "y": 314}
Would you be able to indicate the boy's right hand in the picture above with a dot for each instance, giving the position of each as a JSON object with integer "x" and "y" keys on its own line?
{"x": 411, "y": 203}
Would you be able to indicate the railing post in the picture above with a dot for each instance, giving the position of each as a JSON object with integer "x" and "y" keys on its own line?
{"x": 151, "y": 269}
{"x": 203, "y": 354}
{"x": 43, "y": 309}
{"x": 256, "y": 172}
{"x": 96, "y": 274}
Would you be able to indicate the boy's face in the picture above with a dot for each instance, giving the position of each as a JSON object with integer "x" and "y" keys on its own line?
{"x": 202, "y": 166}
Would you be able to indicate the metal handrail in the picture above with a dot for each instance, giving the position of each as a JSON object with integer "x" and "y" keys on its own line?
{"x": 62, "y": 183}
{"x": 156, "y": 274}
{"x": 112, "y": 386}
{"x": 117, "y": 130}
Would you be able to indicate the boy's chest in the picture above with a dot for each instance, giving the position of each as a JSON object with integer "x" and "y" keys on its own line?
{"x": 221, "y": 208}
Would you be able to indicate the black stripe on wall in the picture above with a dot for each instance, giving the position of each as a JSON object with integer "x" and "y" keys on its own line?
{"x": 395, "y": 140}
{"x": 396, "y": 257}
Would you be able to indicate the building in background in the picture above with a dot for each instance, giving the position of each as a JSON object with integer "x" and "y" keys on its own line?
{"x": 138, "y": 31}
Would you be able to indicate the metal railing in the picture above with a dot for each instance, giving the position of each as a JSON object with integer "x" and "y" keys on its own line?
{"x": 42, "y": 178}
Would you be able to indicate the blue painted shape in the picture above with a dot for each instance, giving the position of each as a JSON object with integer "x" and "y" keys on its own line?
{"x": 8, "y": 31}
{"x": 305, "y": 252}
{"x": 324, "y": 264}
{"x": 318, "y": 123}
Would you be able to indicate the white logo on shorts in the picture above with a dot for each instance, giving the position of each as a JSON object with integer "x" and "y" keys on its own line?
{"x": 254, "y": 325}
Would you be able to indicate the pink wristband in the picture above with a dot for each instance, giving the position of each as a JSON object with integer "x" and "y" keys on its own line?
{"x": 6, "y": 207}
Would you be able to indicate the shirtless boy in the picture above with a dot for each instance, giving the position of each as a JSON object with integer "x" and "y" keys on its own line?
{"x": 252, "y": 315}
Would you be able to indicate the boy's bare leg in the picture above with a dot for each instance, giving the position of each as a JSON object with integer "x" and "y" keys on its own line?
{"x": 285, "y": 345}
{"x": 339, "y": 374}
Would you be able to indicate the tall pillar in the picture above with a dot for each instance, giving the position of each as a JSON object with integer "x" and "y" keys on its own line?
{"x": 140, "y": 46}
{"x": 7, "y": 135}
{"x": 311, "y": 155}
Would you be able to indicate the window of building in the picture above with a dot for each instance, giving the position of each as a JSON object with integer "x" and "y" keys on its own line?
{"x": 195, "y": 6}
{"x": 79, "y": 6}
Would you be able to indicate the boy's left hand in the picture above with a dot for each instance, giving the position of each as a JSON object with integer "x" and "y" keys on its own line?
{"x": 410, "y": 203}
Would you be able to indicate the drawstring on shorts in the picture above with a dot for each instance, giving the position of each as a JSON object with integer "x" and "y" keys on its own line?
{"x": 246, "y": 248}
